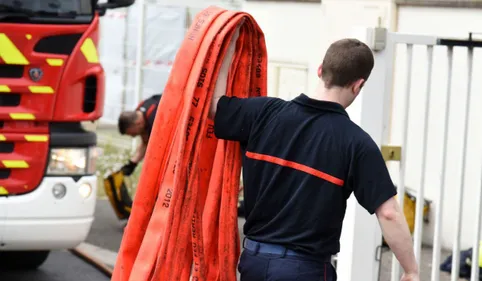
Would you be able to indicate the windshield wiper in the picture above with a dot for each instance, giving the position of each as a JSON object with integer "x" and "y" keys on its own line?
{"x": 13, "y": 16}
{"x": 69, "y": 14}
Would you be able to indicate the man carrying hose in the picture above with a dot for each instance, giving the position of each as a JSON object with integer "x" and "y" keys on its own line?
{"x": 302, "y": 160}
{"x": 138, "y": 123}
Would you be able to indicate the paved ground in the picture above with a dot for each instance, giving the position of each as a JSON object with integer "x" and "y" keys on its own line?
{"x": 107, "y": 233}
{"x": 426, "y": 267}
{"x": 106, "y": 230}
{"x": 60, "y": 266}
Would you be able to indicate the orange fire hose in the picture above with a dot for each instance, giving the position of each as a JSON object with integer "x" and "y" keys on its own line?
{"x": 184, "y": 216}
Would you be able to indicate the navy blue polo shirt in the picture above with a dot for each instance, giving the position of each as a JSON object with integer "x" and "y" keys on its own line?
{"x": 302, "y": 160}
{"x": 148, "y": 107}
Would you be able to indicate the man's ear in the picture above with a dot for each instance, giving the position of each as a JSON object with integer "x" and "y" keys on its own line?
{"x": 357, "y": 86}
{"x": 319, "y": 71}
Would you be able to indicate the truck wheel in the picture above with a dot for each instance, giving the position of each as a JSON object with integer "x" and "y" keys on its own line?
{"x": 22, "y": 259}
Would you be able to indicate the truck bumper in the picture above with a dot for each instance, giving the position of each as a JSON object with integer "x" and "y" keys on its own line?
{"x": 39, "y": 221}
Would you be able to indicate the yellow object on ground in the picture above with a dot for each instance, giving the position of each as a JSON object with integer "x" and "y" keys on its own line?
{"x": 116, "y": 190}
{"x": 409, "y": 207}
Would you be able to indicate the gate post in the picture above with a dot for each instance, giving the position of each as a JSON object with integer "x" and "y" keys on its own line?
{"x": 361, "y": 237}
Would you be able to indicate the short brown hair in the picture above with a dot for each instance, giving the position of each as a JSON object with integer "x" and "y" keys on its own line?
{"x": 126, "y": 120}
{"x": 346, "y": 61}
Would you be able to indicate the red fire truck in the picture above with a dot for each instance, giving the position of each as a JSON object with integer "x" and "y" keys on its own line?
{"x": 51, "y": 84}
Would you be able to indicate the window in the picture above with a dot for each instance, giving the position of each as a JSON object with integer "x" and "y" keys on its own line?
{"x": 47, "y": 11}
{"x": 287, "y": 80}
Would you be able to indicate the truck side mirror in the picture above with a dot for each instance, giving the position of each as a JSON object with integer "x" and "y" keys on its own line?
{"x": 112, "y": 4}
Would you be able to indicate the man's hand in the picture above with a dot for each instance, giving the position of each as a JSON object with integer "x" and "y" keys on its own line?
{"x": 410, "y": 277}
{"x": 129, "y": 168}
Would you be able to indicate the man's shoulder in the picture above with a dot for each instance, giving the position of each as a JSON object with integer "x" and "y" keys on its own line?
{"x": 273, "y": 101}
{"x": 255, "y": 98}
{"x": 358, "y": 136}
{"x": 154, "y": 99}
{"x": 254, "y": 102}
{"x": 147, "y": 103}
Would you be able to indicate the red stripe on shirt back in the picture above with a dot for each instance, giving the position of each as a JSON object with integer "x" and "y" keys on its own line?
{"x": 296, "y": 166}
{"x": 150, "y": 110}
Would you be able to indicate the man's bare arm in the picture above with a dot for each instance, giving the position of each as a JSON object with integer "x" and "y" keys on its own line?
{"x": 221, "y": 83}
{"x": 140, "y": 152}
{"x": 395, "y": 231}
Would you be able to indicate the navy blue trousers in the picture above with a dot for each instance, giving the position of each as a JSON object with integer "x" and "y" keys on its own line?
{"x": 254, "y": 265}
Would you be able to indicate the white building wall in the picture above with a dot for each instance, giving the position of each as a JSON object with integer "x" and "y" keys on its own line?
{"x": 290, "y": 31}
{"x": 442, "y": 22}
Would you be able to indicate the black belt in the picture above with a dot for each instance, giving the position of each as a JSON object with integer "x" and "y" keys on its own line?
{"x": 267, "y": 248}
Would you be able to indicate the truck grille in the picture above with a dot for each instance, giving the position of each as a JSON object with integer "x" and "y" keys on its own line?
{"x": 9, "y": 99}
{"x": 11, "y": 71}
{"x": 23, "y": 159}
{"x": 58, "y": 44}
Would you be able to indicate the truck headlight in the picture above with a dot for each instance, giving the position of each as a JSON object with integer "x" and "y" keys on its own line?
{"x": 72, "y": 161}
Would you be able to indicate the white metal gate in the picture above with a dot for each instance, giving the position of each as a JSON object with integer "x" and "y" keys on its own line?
{"x": 435, "y": 83}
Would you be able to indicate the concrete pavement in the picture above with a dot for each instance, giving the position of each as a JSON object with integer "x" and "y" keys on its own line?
{"x": 107, "y": 230}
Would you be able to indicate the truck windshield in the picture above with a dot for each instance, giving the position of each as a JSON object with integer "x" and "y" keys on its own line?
{"x": 48, "y": 11}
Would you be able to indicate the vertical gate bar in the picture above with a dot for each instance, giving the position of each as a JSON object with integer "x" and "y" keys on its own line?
{"x": 460, "y": 197}
{"x": 139, "y": 60}
{"x": 417, "y": 245}
{"x": 401, "y": 185}
{"x": 440, "y": 197}
{"x": 474, "y": 275}
{"x": 390, "y": 49}
{"x": 125, "y": 59}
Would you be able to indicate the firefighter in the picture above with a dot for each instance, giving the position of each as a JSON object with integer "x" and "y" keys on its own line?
{"x": 302, "y": 160}
{"x": 138, "y": 123}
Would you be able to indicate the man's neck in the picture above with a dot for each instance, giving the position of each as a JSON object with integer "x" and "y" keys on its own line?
{"x": 142, "y": 119}
{"x": 331, "y": 95}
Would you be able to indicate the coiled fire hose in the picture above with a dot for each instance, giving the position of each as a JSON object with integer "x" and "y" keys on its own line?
{"x": 184, "y": 217}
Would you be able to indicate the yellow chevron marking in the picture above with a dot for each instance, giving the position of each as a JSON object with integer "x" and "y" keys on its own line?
{"x": 41, "y": 89}
{"x": 37, "y": 138}
{"x": 3, "y": 191}
{"x": 22, "y": 116}
{"x": 55, "y": 62}
{"x": 90, "y": 51}
{"x": 9, "y": 53}
{"x": 4, "y": 89}
{"x": 15, "y": 164}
